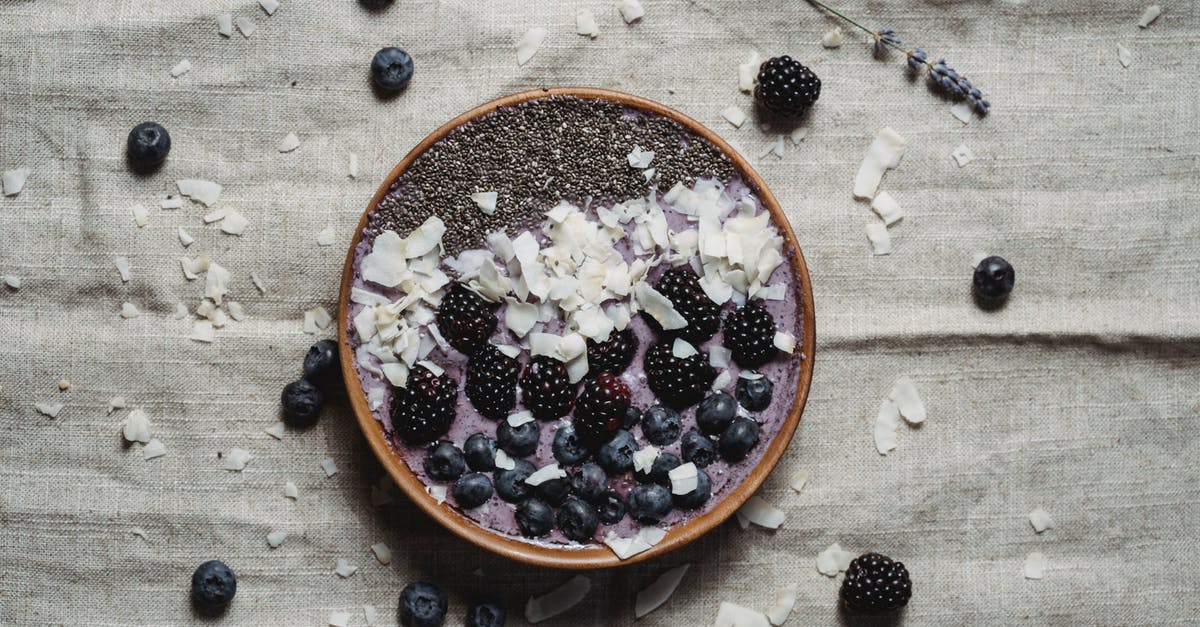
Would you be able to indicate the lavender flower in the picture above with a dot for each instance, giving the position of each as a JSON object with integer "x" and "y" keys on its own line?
{"x": 917, "y": 59}
{"x": 885, "y": 39}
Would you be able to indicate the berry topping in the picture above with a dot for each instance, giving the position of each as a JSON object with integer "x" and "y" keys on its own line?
{"x": 518, "y": 441}
{"x": 589, "y": 482}
{"x": 682, "y": 287}
{"x": 213, "y": 587}
{"x": 661, "y": 425}
{"x": 535, "y": 518}
{"x": 422, "y": 605}
{"x": 663, "y": 464}
{"x": 715, "y": 413}
{"x": 480, "y": 452}
{"x": 633, "y": 415}
{"x": 577, "y": 520}
{"x": 510, "y": 484}
{"x": 567, "y": 449}
{"x": 737, "y": 440}
{"x": 610, "y": 507}
{"x": 492, "y": 382}
{"x": 423, "y": 410}
{"x": 465, "y": 319}
{"x": 472, "y": 490}
{"x": 546, "y": 389}
{"x": 554, "y": 491}
{"x": 875, "y": 583}
{"x": 754, "y": 394}
{"x": 677, "y": 382}
{"x": 147, "y": 146}
{"x": 391, "y": 69}
{"x": 444, "y": 462}
{"x": 785, "y": 87}
{"x": 616, "y": 455}
{"x": 614, "y": 354}
{"x": 698, "y": 449}
{"x": 486, "y": 614}
{"x": 750, "y": 335}
{"x": 698, "y": 496}
{"x": 994, "y": 278}
{"x": 321, "y": 363}
{"x": 601, "y": 407}
{"x": 648, "y": 503}
{"x": 302, "y": 402}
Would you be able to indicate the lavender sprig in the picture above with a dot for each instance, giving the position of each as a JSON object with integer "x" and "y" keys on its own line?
{"x": 940, "y": 74}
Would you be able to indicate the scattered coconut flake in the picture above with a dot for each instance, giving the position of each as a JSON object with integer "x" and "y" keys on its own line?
{"x": 886, "y": 425}
{"x": 631, "y": 10}
{"x": 141, "y": 215}
{"x": 216, "y": 281}
{"x": 370, "y": 614}
{"x": 884, "y": 153}
{"x": 353, "y": 168}
{"x": 719, "y": 357}
{"x": 799, "y": 480}
{"x": 1035, "y": 565}
{"x": 63, "y": 385}
{"x": 557, "y": 601}
{"x": 833, "y": 37}
{"x": 722, "y": 380}
{"x": 681, "y": 349}
{"x": 339, "y": 619}
{"x": 291, "y": 491}
{"x": 659, "y": 307}
{"x": 235, "y": 310}
{"x": 762, "y": 513}
{"x": 654, "y": 595}
{"x": 503, "y": 461}
{"x": 181, "y": 68}
{"x": 316, "y": 320}
{"x": 396, "y": 374}
{"x": 234, "y": 223}
{"x": 544, "y": 474}
{"x": 123, "y": 268}
{"x": 1040, "y": 519}
{"x": 962, "y": 111}
{"x": 1124, "y": 56}
{"x": 887, "y": 208}
{"x": 486, "y": 201}
{"x": 529, "y": 43}
{"x": 908, "y": 401}
{"x": 214, "y": 215}
{"x": 508, "y": 350}
{"x": 437, "y": 492}
{"x": 225, "y": 25}
{"x": 289, "y": 143}
{"x": 881, "y": 241}
{"x": 14, "y": 180}
{"x": 327, "y": 236}
{"x": 649, "y": 173}
{"x": 433, "y": 368}
{"x": 185, "y": 238}
{"x": 117, "y": 402}
{"x": 49, "y": 409}
{"x": 139, "y": 532}
{"x": 734, "y": 115}
{"x": 585, "y": 23}
{"x": 639, "y": 158}
{"x": 519, "y": 418}
{"x": 1149, "y": 15}
{"x": 833, "y": 560}
{"x": 684, "y": 478}
{"x": 136, "y": 427}
{"x": 275, "y": 430}
{"x": 329, "y": 467}
{"x": 181, "y": 311}
{"x": 203, "y": 331}
{"x": 344, "y": 568}
{"x": 206, "y": 192}
{"x": 129, "y": 310}
{"x": 153, "y": 449}
{"x": 733, "y": 615}
{"x": 236, "y": 459}
{"x": 962, "y": 155}
{"x": 13, "y": 281}
{"x": 799, "y": 134}
{"x": 276, "y": 538}
{"x": 785, "y": 342}
{"x": 171, "y": 202}
{"x": 643, "y": 458}
{"x": 748, "y": 72}
{"x": 785, "y": 601}
{"x": 382, "y": 553}
{"x": 270, "y": 6}
{"x": 258, "y": 284}
{"x": 246, "y": 25}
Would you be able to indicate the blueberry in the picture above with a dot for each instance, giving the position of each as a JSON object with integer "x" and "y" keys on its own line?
{"x": 632, "y": 416}
{"x": 661, "y": 425}
{"x": 148, "y": 145}
{"x": 554, "y": 491}
{"x": 444, "y": 462}
{"x": 391, "y": 68}
{"x": 616, "y": 455}
{"x": 567, "y": 448}
{"x": 422, "y": 605}
{"x": 213, "y": 587}
{"x": 577, "y": 520}
{"x": 510, "y": 484}
{"x": 610, "y": 508}
{"x": 589, "y": 482}
{"x": 754, "y": 394}
{"x": 472, "y": 490}
{"x": 698, "y": 496}
{"x": 321, "y": 363}
{"x": 302, "y": 403}
{"x": 741, "y": 436}
{"x": 715, "y": 413}
{"x": 376, "y": 5}
{"x": 994, "y": 278}
{"x": 535, "y": 518}
{"x": 480, "y": 452}
{"x": 486, "y": 614}
{"x": 663, "y": 464}
{"x": 519, "y": 441}
{"x": 648, "y": 503}
{"x": 698, "y": 448}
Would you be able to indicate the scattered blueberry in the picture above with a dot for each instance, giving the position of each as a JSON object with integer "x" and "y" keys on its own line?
{"x": 994, "y": 278}
{"x": 376, "y": 5}
{"x": 610, "y": 508}
{"x": 510, "y": 484}
{"x": 480, "y": 452}
{"x": 422, "y": 605}
{"x": 472, "y": 490}
{"x": 616, "y": 455}
{"x": 444, "y": 462}
{"x": 661, "y": 425}
{"x": 567, "y": 448}
{"x": 589, "y": 482}
{"x": 391, "y": 68}
{"x": 697, "y": 497}
{"x": 535, "y": 518}
{"x": 698, "y": 449}
{"x": 519, "y": 441}
{"x": 715, "y": 413}
{"x": 632, "y": 416}
{"x": 148, "y": 145}
{"x": 754, "y": 394}
{"x": 213, "y": 586}
{"x": 577, "y": 520}
{"x": 486, "y": 614}
{"x": 554, "y": 491}
{"x": 663, "y": 464}
{"x": 741, "y": 436}
{"x": 648, "y": 503}
{"x": 321, "y": 363}
{"x": 302, "y": 402}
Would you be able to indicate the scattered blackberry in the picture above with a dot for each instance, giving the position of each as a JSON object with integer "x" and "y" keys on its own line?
{"x": 465, "y": 319}
{"x": 750, "y": 334}
{"x": 492, "y": 382}
{"x": 423, "y": 410}
{"x": 677, "y": 382}
{"x": 682, "y": 287}
{"x": 601, "y": 407}
{"x": 785, "y": 87}
{"x": 546, "y": 390}
{"x": 875, "y": 583}
{"x": 612, "y": 355}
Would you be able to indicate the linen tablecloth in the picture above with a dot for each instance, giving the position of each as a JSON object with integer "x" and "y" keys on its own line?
{"x": 1079, "y": 397}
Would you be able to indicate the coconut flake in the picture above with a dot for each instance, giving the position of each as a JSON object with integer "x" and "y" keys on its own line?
{"x": 141, "y": 215}
{"x": 382, "y": 553}
{"x": 345, "y": 569}
{"x": 799, "y": 480}
{"x": 659, "y": 307}
{"x": 643, "y": 458}
{"x": 49, "y": 409}
{"x": 722, "y": 380}
{"x": 639, "y": 158}
{"x": 216, "y": 282}
{"x": 546, "y": 473}
{"x": 962, "y": 155}
{"x": 785, "y": 342}
{"x": 962, "y": 111}
{"x": 631, "y": 10}
{"x": 234, "y": 223}
{"x": 833, "y": 560}
{"x": 275, "y": 430}
{"x": 733, "y": 615}
{"x": 719, "y": 357}
{"x": 153, "y": 449}
{"x": 258, "y": 283}
{"x": 886, "y": 425}
{"x": 123, "y": 268}
{"x": 1124, "y": 56}
{"x": 276, "y": 538}
{"x": 557, "y": 601}
{"x": 327, "y": 236}
{"x": 129, "y": 310}
{"x": 117, "y": 402}
{"x": 370, "y": 614}
{"x": 684, "y": 478}
{"x": 206, "y": 192}
{"x": 185, "y": 238}
{"x": 1149, "y": 15}
{"x": 235, "y": 310}
{"x": 181, "y": 68}
{"x": 246, "y": 25}
{"x": 785, "y": 601}
{"x": 270, "y": 6}
{"x": 202, "y": 331}
{"x": 352, "y": 170}
{"x": 748, "y": 72}
{"x": 213, "y": 216}
{"x": 1040, "y": 519}
{"x": 290, "y": 491}
{"x": 883, "y": 154}
{"x": 236, "y": 459}
{"x": 486, "y": 201}
{"x": 833, "y": 37}
{"x": 171, "y": 202}
{"x": 225, "y": 25}
{"x": 681, "y": 349}
{"x": 887, "y": 208}
{"x": 519, "y": 418}
{"x": 181, "y": 311}
{"x": 329, "y": 467}
{"x": 289, "y": 143}
{"x": 734, "y": 115}
{"x": 14, "y": 180}
{"x": 653, "y": 596}
{"x": 529, "y": 43}
{"x": 881, "y": 241}
{"x": 585, "y": 23}
{"x": 12, "y": 281}
{"x": 339, "y": 619}
{"x": 1035, "y": 565}
{"x": 908, "y": 401}
{"x": 762, "y": 513}
{"x": 503, "y": 461}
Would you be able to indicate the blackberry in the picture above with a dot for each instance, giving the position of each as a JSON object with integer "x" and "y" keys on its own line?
{"x": 874, "y": 583}
{"x": 546, "y": 390}
{"x": 423, "y": 410}
{"x": 601, "y": 407}
{"x": 677, "y": 382}
{"x": 465, "y": 319}
{"x": 612, "y": 355}
{"x": 682, "y": 287}
{"x": 492, "y": 382}
{"x": 785, "y": 87}
{"x": 750, "y": 334}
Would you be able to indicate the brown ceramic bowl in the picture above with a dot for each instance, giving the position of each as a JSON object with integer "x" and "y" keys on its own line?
{"x": 598, "y": 556}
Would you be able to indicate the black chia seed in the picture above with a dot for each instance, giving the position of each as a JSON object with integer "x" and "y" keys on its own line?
{"x": 535, "y": 154}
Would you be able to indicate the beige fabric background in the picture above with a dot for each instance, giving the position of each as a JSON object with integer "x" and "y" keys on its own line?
{"x": 1080, "y": 396}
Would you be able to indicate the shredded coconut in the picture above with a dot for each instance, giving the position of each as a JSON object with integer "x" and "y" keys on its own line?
{"x": 14, "y": 180}
{"x": 329, "y": 467}
{"x": 653, "y": 596}
{"x": 289, "y": 143}
{"x": 181, "y": 68}
{"x": 558, "y": 600}
{"x": 529, "y": 43}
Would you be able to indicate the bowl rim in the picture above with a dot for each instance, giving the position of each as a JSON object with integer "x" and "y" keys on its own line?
{"x": 593, "y": 557}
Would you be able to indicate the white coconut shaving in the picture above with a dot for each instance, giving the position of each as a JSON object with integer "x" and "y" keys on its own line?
{"x": 329, "y": 467}
{"x": 339, "y": 619}
{"x": 785, "y": 342}
{"x": 327, "y": 236}
{"x": 908, "y": 401}
{"x": 879, "y": 238}
{"x": 236, "y": 459}
{"x": 115, "y": 403}
{"x": 344, "y": 568}
{"x": 558, "y": 600}
{"x": 382, "y": 553}
{"x": 141, "y": 215}
{"x": 352, "y": 169}
{"x": 722, "y": 380}
{"x": 14, "y": 180}
{"x": 246, "y": 26}
{"x": 12, "y": 281}
{"x": 519, "y": 418}
{"x": 370, "y": 614}
{"x": 153, "y": 449}
{"x": 643, "y": 458}
{"x": 275, "y": 430}
{"x": 171, "y": 203}
{"x": 681, "y": 349}
{"x": 734, "y": 615}
{"x": 884, "y": 154}
{"x": 546, "y": 473}
{"x": 129, "y": 310}
{"x": 886, "y": 207}
{"x": 962, "y": 155}
{"x": 275, "y": 538}
{"x": 203, "y": 331}
{"x": 1149, "y": 15}
{"x": 1040, "y": 520}
{"x": 181, "y": 68}
{"x": 631, "y": 10}
{"x": 529, "y": 43}
{"x": 236, "y": 311}
{"x": 887, "y": 423}
{"x": 234, "y": 223}
{"x": 289, "y": 143}
{"x": 833, "y": 37}
{"x": 258, "y": 283}
{"x": 1124, "y": 56}
{"x": 748, "y": 73}
{"x": 585, "y": 23}
{"x": 684, "y": 478}
{"x": 185, "y": 238}
{"x": 214, "y": 216}
{"x": 486, "y": 201}
{"x": 785, "y": 601}
{"x": 734, "y": 115}
{"x": 49, "y": 409}
{"x": 962, "y": 111}
{"x": 640, "y": 158}
{"x": 762, "y": 513}
{"x": 799, "y": 480}
{"x": 206, "y": 192}
{"x": 1035, "y": 565}
{"x": 315, "y": 320}
{"x": 833, "y": 560}
{"x": 216, "y": 282}
{"x": 290, "y": 491}
{"x": 503, "y": 461}
{"x": 659, "y": 591}
{"x": 270, "y": 6}
{"x": 225, "y": 25}
{"x": 123, "y": 268}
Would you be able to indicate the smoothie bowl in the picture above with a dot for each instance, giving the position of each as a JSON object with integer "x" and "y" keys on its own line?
{"x": 576, "y": 328}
